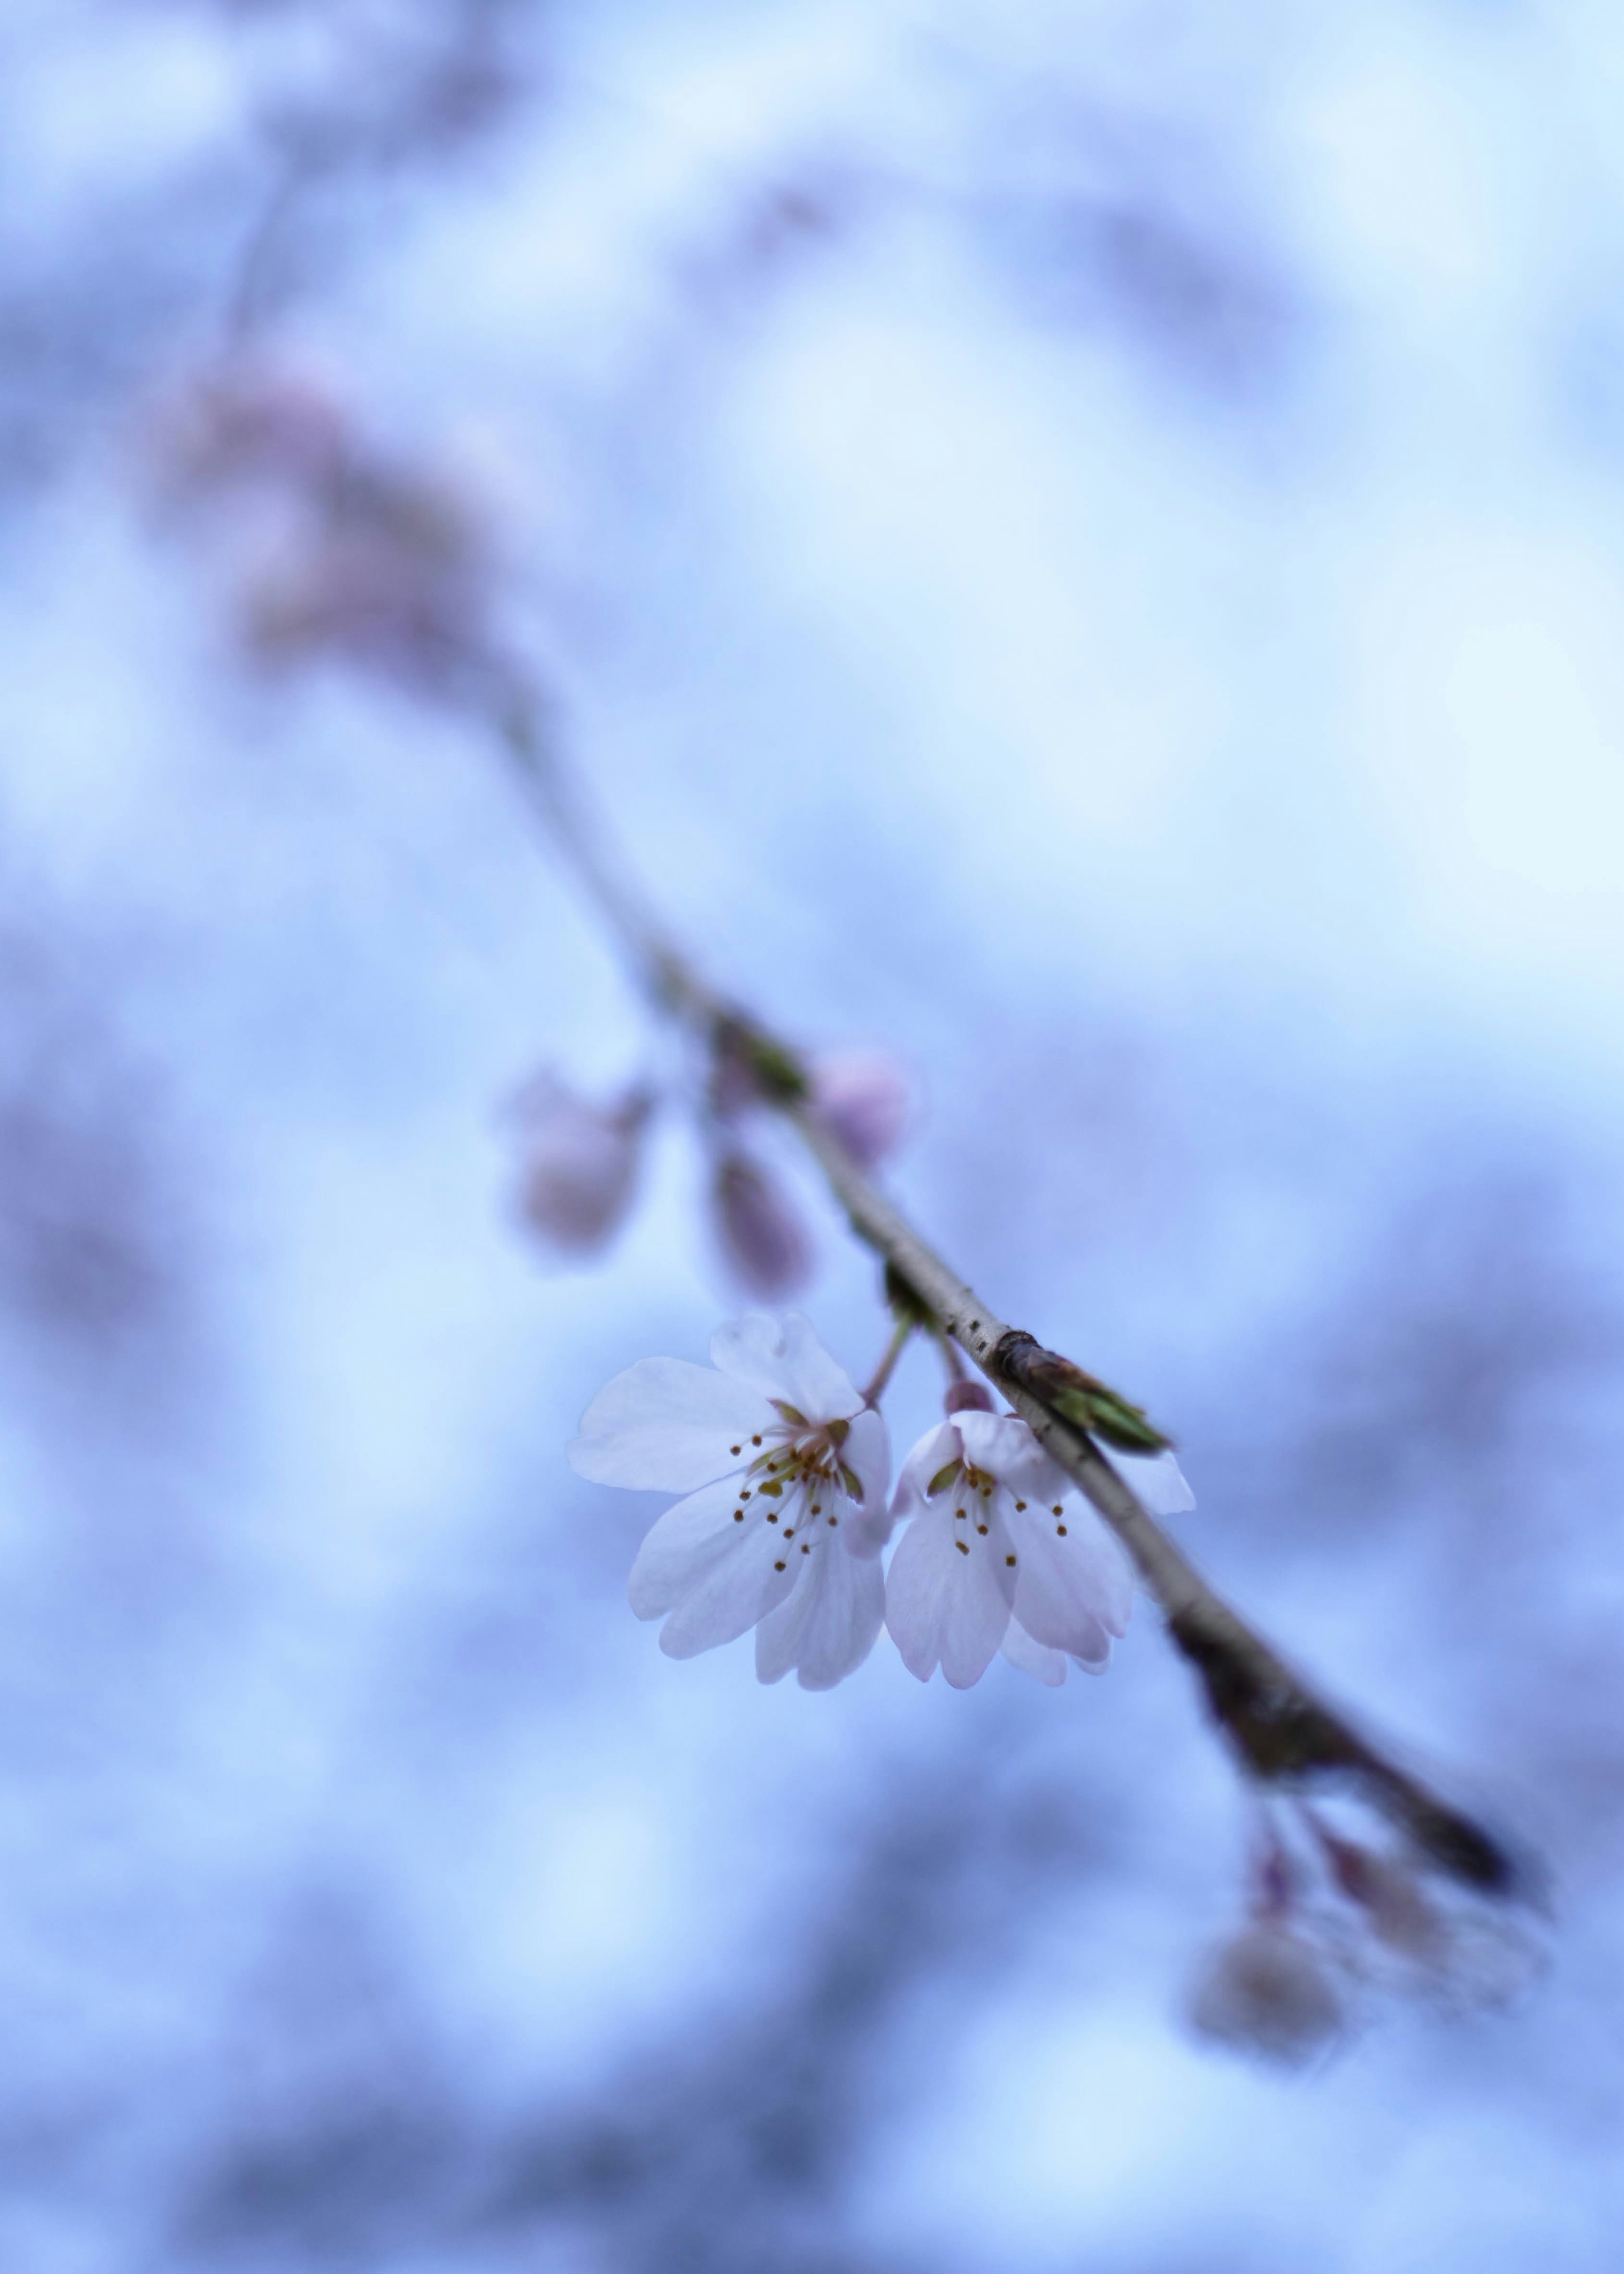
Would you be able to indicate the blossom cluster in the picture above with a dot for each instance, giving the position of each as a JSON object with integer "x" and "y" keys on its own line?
{"x": 784, "y": 1469}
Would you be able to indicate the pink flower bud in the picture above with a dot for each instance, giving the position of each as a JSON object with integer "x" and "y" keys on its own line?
{"x": 761, "y": 1230}
{"x": 866, "y": 1099}
{"x": 1269, "y": 1991}
{"x": 330, "y": 547}
{"x": 390, "y": 576}
{"x": 1391, "y": 1897}
{"x": 967, "y": 1397}
{"x": 579, "y": 1163}
{"x": 248, "y": 423}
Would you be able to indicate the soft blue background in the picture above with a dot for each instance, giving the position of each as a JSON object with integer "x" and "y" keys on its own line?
{"x": 1123, "y": 605}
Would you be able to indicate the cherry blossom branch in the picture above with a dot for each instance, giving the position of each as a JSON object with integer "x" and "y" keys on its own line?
{"x": 1282, "y": 1731}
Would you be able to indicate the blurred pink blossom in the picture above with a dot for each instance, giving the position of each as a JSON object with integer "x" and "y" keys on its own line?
{"x": 579, "y": 1163}
{"x": 1269, "y": 1991}
{"x": 864, "y": 1096}
{"x": 386, "y": 572}
{"x": 1389, "y": 1896}
{"x": 762, "y": 1234}
{"x": 330, "y": 548}
{"x": 242, "y": 425}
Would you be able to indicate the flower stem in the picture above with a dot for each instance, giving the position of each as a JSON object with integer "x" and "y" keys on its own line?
{"x": 950, "y": 1358}
{"x": 887, "y": 1366}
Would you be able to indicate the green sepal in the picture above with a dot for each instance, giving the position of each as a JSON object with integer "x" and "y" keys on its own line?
{"x": 1105, "y": 1415}
{"x": 903, "y": 1303}
{"x": 777, "y": 1071}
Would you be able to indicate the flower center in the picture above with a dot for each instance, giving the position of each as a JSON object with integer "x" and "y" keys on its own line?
{"x": 793, "y": 1484}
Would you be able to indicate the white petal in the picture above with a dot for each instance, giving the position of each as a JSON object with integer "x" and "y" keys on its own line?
{"x": 1156, "y": 1478}
{"x": 867, "y": 1534}
{"x": 679, "y": 1553}
{"x": 929, "y": 1456}
{"x": 751, "y": 1349}
{"x": 746, "y": 1579}
{"x": 829, "y": 1623}
{"x": 845, "y": 1621}
{"x": 780, "y": 1636}
{"x": 1099, "y": 1661}
{"x": 867, "y": 1453}
{"x": 944, "y": 1606}
{"x": 1050, "y": 1666}
{"x": 786, "y": 1361}
{"x": 1000, "y": 1444}
{"x": 667, "y": 1425}
{"x": 1075, "y": 1584}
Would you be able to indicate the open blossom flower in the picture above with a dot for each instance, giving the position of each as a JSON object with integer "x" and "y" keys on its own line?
{"x": 1002, "y": 1552}
{"x": 786, "y": 1473}
{"x": 579, "y": 1164}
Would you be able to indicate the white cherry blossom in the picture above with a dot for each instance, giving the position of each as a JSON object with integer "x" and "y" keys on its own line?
{"x": 1002, "y": 1552}
{"x": 786, "y": 1473}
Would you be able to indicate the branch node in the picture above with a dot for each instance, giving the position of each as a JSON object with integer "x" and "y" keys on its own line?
{"x": 775, "y": 1069}
{"x": 1082, "y": 1399}
{"x": 1285, "y": 1738}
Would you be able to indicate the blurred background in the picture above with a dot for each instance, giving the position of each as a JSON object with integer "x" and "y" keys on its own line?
{"x": 1080, "y": 541}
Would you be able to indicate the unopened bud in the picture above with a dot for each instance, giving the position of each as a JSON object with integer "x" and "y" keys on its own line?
{"x": 580, "y": 1163}
{"x": 761, "y": 1230}
{"x": 1390, "y": 1895}
{"x": 967, "y": 1397}
{"x": 866, "y": 1099}
{"x": 390, "y": 576}
{"x": 247, "y": 423}
{"x": 331, "y": 547}
{"x": 1269, "y": 1991}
